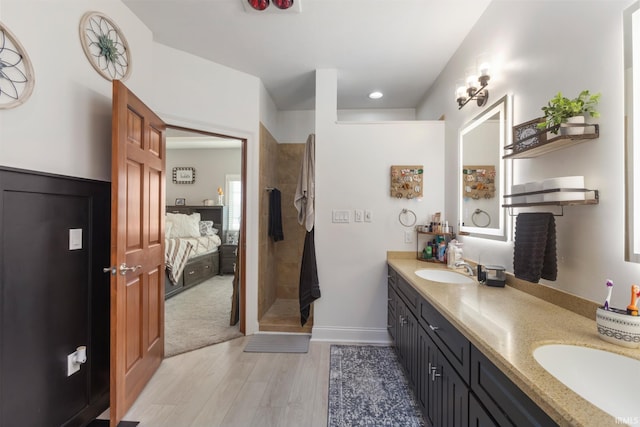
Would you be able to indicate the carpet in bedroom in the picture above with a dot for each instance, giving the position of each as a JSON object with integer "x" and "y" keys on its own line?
{"x": 199, "y": 316}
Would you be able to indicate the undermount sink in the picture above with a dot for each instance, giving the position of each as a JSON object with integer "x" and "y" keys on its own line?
{"x": 444, "y": 276}
{"x": 607, "y": 380}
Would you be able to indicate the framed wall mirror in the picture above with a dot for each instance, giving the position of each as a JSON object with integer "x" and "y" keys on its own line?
{"x": 483, "y": 175}
{"x": 631, "y": 23}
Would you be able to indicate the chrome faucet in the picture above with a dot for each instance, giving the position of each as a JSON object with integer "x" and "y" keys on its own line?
{"x": 465, "y": 265}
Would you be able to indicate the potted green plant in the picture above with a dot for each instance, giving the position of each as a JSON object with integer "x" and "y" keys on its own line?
{"x": 561, "y": 109}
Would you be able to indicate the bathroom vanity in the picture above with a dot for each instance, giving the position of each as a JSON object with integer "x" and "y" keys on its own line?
{"x": 467, "y": 350}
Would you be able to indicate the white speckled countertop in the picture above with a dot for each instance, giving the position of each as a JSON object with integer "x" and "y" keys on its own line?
{"x": 507, "y": 325}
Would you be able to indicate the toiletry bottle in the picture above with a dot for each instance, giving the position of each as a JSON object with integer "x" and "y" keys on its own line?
{"x": 451, "y": 257}
{"x": 429, "y": 250}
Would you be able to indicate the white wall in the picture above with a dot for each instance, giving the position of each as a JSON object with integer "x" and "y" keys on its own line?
{"x": 558, "y": 47}
{"x": 65, "y": 127}
{"x": 353, "y": 161}
{"x": 211, "y": 165}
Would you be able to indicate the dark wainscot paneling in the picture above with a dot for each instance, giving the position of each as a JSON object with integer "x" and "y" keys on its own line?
{"x": 52, "y": 299}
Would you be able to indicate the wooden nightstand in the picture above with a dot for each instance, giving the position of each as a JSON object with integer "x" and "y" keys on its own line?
{"x": 227, "y": 258}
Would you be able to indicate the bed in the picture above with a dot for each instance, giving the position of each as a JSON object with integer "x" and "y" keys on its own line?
{"x": 192, "y": 241}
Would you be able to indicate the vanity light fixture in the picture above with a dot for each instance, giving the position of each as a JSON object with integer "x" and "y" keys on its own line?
{"x": 474, "y": 87}
{"x": 375, "y": 95}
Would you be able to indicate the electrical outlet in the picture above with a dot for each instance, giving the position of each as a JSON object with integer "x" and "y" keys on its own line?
{"x": 72, "y": 365}
{"x": 408, "y": 236}
{"x": 357, "y": 215}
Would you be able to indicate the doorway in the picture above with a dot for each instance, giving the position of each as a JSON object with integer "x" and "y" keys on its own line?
{"x": 211, "y": 310}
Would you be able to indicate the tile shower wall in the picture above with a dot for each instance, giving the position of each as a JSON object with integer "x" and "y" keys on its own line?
{"x": 289, "y": 251}
{"x": 279, "y": 268}
{"x": 267, "y": 263}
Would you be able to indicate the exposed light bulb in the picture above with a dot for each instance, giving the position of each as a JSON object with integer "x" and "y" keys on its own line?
{"x": 283, "y": 4}
{"x": 259, "y": 4}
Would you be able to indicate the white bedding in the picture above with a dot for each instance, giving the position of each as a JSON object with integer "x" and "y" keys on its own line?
{"x": 203, "y": 245}
{"x": 178, "y": 251}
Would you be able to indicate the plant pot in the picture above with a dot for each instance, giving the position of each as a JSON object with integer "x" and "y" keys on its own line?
{"x": 567, "y": 129}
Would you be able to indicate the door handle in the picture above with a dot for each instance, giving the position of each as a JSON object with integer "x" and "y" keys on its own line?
{"x": 124, "y": 269}
{"x": 111, "y": 270}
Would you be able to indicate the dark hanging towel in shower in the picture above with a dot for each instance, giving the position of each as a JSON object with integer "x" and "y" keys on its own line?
{"x": 275, "y": 216}
{"x": 309, "y": 290}
{"x": 534, "y": 254}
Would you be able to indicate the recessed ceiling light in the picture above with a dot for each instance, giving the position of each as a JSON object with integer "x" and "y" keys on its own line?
{"x": 375, "y": 95}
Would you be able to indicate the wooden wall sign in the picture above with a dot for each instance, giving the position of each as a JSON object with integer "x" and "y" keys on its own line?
{"x": 407, "y": 182}
{"x": 479, "y": 182}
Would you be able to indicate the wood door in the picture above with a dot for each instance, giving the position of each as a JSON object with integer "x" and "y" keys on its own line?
{"x": 137, "y": 229}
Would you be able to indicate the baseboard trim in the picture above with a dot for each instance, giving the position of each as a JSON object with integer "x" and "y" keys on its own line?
{"x": 351, "y": 335}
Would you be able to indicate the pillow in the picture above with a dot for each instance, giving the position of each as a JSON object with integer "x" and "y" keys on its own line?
{"x": 168, "y": 226}
{"x": 184, "y": 225}
{"x": 206, "y": 228}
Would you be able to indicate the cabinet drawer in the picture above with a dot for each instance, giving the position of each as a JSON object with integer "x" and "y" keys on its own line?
{"x": 196, "y": 271}
{"x": 453, "y": 344}
{"x": 410, "y": 295}
{"x": 503, "y": 400}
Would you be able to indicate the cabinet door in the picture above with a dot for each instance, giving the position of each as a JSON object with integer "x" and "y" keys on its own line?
{"x": 411, "y": 356}
{"x": 478, "y": 417}
{"x": 506, "y": 403}
{"x": 401, "y": 333}
{"x": 455, "y": 396}
{"x": 424, "y": 386}
{"x": 392, "y": 319}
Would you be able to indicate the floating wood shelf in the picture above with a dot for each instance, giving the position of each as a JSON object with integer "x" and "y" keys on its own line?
{"x": 542, "y": 145}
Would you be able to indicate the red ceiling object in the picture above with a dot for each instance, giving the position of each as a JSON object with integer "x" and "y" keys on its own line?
{"x": 260, "y": 4}
{"x": 283, "y": 4}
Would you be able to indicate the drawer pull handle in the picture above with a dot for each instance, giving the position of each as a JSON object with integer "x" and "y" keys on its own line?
{"x": 192, "y": 272}
{"x": 435, "y": 374}
{"x": 433, "y": 328}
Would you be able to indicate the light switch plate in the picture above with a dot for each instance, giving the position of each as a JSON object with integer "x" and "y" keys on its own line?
{"x": 75, "y": 239}
{"x": 357, "y": 215}
{"x": 341, "y": 216}
{"x": 368, "y": 216}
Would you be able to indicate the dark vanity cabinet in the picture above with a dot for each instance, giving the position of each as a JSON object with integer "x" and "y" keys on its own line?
{"x": 503, "y": 401}
{"x": 453, "y": 382}
{"x": 403, "y": 327}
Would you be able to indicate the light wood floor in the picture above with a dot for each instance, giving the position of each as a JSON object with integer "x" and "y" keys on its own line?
{"x": 221, "y": 385}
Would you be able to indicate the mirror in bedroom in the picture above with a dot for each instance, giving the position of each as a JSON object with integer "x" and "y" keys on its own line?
{"x": 202, "y": 230}
{"x": 484, "y": 175}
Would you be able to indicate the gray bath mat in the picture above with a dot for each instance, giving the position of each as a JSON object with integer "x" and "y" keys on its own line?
{"x": 278, "y": 343}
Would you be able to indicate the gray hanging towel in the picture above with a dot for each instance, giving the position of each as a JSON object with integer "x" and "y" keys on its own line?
{"x": 275, "y": 216}
{"x": 534, "y": 255}
{"x": 304, "y": 199}
{"x": 309, "y": 289}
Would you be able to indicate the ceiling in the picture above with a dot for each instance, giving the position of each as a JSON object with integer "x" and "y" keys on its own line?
{"x": 398, "y": 47}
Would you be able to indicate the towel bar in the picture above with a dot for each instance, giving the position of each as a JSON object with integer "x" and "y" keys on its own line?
{"x": 510, "y": 210}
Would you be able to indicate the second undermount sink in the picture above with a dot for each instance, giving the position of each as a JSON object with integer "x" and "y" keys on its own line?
{"x": 607, "y": 380}
{"x": 444, "y": 276}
